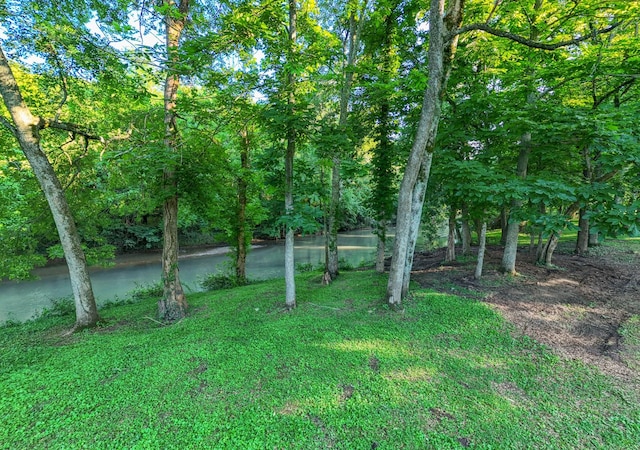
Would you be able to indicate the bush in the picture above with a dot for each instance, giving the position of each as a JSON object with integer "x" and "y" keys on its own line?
{"x": 144, "y": 291}
{"x": 217, "y": 281}
{"x": 60, "y": 307}
{"x": 305, "y": 267}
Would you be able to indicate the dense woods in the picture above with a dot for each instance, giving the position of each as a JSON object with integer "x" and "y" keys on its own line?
{"x": 132, "y": 125}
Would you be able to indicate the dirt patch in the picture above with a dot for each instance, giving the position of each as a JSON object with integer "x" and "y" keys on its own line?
{"x": 576, "y": 307}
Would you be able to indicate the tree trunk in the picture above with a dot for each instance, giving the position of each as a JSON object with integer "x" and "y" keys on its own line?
{"x": 450, "y": 254}
{"x": 26, "y": 130}
{"x": 532, "y": 243}
{"x": 331, "y": 270}
{"x": 289, "y": 242}
{"x": 331, "y": 267}
{"x": 381, "y": 232}
{"x": 513, "y": 226}
{"x": 441, "y": 53}
{"x": 241, "y": 216}
{"x": 544, "y": 256}
{"x": 420, "y": 191}
{"x": 540, "y": 246}
{"x": 173, "y": 304}
{"x": 511, "y": 248}
{"x": 582, "y": 243}
{"x": 504, "y": 225}
{"x": 466, "y": 232}
{"x": 547, "y": 253}
{"x": 482, "y": 238}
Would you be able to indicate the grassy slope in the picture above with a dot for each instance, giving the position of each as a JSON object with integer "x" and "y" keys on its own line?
{"x": 341, "y": 371}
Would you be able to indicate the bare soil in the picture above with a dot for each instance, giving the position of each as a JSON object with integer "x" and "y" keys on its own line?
{"x": 575, "y": 307}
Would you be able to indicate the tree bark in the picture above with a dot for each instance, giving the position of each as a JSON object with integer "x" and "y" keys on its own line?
{"x": 441, "y": 53}
{"x": 420, "y": 191}
{"x": 241, "y": 216}
{"x": 582, "y": 243}
{"x": 450, "y": 254}
{"x": 546, "y": 255}
{"x": 27, "y": 131}
{"x": 381, "y": 233}
{"x": 466, "y": 231}
{"x": 504, "y": 225}
{"x": 513, "y": 226}
{"x": 482, "y": 238}
{"x": 173, "y": 304}
{"x": 289, "y": 242}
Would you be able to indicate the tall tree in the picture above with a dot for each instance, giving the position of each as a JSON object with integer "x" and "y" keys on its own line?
{"x": 26, "y": 128}
{"x": 291, "y": 135}
{"x": 443, "y": 41}
{"x": 513, "y": 226}
{"x": 356, "y": 14}
{"x": 173, "y": 304}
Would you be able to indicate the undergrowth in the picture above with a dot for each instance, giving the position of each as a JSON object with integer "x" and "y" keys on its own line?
{"x": 340, "y": 371}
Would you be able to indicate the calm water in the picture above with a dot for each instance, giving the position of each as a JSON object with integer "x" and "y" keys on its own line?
{"x": 21, "y": 300}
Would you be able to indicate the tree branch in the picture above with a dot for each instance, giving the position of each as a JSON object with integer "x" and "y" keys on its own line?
{"x": 528, "y": 42}
{"x": 70, "y": 127}
{"x": 493, "y": 10}
{"x": 598, "y": 101}
{"x": 78, "y": 130}
{"x": 628, "y": 75}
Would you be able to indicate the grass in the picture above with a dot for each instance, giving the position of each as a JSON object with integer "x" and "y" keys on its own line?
{"x": 340, "y": 371}
{"x": 493, "y": 237}
{"x": 631, "y": 341}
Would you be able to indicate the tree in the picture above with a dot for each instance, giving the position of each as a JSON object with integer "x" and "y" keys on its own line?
{"x": 356, "y": 20}
{"x": 442, "y": 46}
{"x": 173, "y": 305}
{"x": 26, "y": 128}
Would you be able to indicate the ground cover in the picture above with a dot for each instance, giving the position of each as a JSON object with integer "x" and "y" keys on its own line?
{"x": 340, "y": 371}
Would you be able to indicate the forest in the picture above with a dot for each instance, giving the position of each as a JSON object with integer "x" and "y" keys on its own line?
{"x": 507, "y": 127}
{"x": 133, "y": 125}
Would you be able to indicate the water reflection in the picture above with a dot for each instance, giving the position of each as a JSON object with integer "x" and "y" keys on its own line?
{"x": 20, "y": 300}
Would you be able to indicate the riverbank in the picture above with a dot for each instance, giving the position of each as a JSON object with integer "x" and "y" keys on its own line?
{"x": 20, "y": 301}
{"x": 340, "y": 371}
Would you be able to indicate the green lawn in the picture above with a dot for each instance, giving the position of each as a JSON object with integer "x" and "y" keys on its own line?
{"x": 341, "y": 371}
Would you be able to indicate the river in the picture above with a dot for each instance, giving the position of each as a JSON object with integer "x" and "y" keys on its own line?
{"x": 19, "y": 301}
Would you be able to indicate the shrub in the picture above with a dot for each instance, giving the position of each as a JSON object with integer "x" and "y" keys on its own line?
{"x": 144, "y": 291}
{"x": 60, "y": 307}
{"x": 218, "y": 281}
